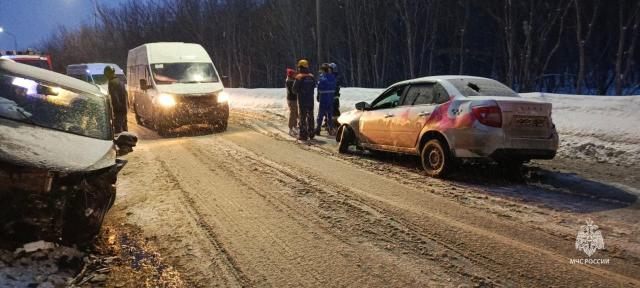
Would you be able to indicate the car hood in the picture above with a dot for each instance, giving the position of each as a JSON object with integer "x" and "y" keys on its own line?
{"x": 32, "y": 146}
{"x": 190, "y": 88}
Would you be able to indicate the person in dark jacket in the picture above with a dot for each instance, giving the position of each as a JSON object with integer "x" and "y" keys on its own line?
{"x": 304, "y": 86}
{"x": 118, "y": 95}
{"x": 336, "y": 98}
{"x": 326, "y": 92}
{"x": 292, "y": 102}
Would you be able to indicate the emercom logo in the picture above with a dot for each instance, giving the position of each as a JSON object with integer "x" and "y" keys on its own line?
{"x": 589, "y": 240}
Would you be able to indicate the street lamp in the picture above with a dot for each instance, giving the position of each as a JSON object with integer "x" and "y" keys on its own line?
{"x": 15, "y": 41}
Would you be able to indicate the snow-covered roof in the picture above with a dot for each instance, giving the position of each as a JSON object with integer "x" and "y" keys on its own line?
{"x": 12, "y": 67}
{"x": 20, "y": 56}
{"x": 169, "y": 52}
{"x": 437, "y": 79}
{"x": 94, "y": 68}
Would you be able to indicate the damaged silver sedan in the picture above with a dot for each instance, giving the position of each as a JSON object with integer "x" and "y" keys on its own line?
{"x": 58, "y": 156}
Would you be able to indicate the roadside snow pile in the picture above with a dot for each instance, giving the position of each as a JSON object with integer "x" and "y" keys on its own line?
{"x": 595, "y": 128}
{"x": 274, "y": 99}
{"x": 39, "y": 264}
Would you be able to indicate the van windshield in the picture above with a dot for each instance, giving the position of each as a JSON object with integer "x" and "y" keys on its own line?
{"x": 169, "y": 73}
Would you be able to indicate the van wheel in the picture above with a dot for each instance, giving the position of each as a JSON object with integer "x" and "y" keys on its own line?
{"x": 436, "y": 160}
{"x": 161, "y": 127}
{"x": 346, "y": 139}
{"x": 222, "y": 126}
{"x": 139, "y": 119}
{"x": 219, "y": 126}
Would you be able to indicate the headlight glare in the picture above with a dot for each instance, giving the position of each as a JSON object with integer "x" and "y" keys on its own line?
{"x": 166, "y": 100}
{"x": 223, "y": 97}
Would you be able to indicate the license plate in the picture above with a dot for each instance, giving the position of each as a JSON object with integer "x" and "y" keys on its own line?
{"x": 31, "y": 181}
{"x": 200, "y": 110}
{"x": 530, "y": 121}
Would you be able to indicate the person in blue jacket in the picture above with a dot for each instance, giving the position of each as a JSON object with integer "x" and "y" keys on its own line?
{"x": 326, "y": 92}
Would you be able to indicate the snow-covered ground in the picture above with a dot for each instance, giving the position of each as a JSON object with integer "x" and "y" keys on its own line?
{"x": 596, "y": 128}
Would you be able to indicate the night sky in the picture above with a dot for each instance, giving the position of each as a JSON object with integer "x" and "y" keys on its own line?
{"x": 33, "y": 20}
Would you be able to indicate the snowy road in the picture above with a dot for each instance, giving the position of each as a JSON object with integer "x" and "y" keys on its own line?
{"x": 250, "y": 207}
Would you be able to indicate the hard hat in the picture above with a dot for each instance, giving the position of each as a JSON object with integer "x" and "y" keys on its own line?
{"x": 290, "y": 72}
{"x": 303, "y": 63}
{"x": 333, "y": 66}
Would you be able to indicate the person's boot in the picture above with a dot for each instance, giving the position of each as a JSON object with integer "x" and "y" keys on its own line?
{"x": 317, "y": 131}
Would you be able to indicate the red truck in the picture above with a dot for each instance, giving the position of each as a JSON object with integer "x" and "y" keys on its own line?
{"x": 29, "y": 57}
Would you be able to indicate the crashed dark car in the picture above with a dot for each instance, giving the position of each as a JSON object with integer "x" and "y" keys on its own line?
{"x": 58, "y": 156}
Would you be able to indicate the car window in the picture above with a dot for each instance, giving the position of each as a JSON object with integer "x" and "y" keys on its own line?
{"x": 470, "y": 87}
{"x": 419, "y": 95}
{"x": 440, "y": 94}
{"x": 82, "y": 77}
{"x": 389, "y": 99}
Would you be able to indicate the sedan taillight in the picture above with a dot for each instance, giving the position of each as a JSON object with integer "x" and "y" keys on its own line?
{"x": 488, "y": 115}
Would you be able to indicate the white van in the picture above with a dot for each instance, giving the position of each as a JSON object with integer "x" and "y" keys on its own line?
{"x": 173, "y": 84}
{"x": 94, "y": 73}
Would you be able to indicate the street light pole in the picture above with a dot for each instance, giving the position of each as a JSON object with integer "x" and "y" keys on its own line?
{"x": 15, "y": 41}
{"x": 318, "y": 37}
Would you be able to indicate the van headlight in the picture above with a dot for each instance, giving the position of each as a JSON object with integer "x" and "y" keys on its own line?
{"x": 223, "y": 97}
{"x": 166, "y": 100}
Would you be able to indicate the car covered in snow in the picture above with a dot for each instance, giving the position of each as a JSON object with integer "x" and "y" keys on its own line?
{"x": 445, "y": 119}
{"x": 94, "y": 74}
{"x": 58, "y": 156}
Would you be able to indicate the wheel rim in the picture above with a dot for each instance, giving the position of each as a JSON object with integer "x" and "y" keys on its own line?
{"x": 434, "y": 159}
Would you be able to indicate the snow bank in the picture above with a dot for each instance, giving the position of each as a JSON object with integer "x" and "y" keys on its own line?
{"x": 600, "y": 128}
{"x": 597, "y": 128}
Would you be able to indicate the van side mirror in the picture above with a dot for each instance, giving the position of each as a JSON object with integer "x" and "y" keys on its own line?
{"x": 362, "y": 106}
{"x": 143, "y": 84}
{"x": 125, "y": 142}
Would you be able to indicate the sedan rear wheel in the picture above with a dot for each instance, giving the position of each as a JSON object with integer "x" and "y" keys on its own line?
{"x": 436, "y": 160}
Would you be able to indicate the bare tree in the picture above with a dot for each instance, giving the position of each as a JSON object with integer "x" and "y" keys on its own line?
{"x": 583, "y": 38}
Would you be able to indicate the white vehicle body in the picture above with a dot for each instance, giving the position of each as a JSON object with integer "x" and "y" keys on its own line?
{"x": 94, "y": 73}
{"x": 470, "y": 117}
{"x": 174, "y": 83}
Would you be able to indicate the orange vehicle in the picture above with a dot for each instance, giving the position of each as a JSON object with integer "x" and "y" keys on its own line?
{"x": 29, "y": 57}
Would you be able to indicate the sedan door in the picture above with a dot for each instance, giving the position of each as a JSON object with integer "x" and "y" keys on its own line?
{"x": 418, "y": 104}
{"x": 375, "y": 123}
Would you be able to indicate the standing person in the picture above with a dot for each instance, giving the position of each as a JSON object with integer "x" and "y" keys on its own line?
{"x": 336, "y": 97}
{"x": 304, "y": 86}
{"x": 118, "y": 95}
{"x": 292, "y": 102}
{"x": 326, "y": 92}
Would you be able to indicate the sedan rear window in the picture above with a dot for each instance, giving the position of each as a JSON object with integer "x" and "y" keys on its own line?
{"x": 470, "y": 87}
